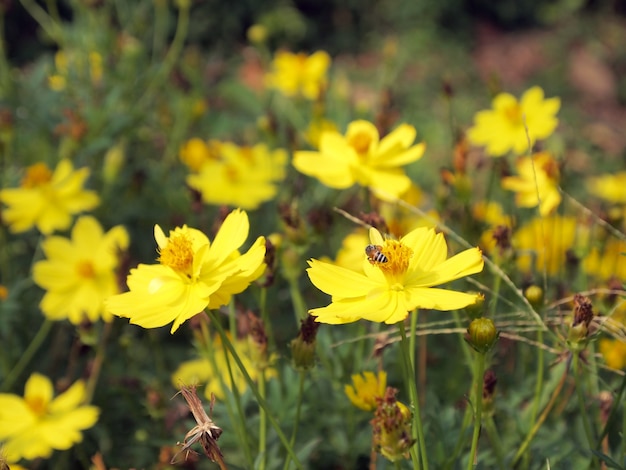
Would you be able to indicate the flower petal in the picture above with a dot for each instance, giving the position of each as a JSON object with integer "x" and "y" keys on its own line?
{"x": 337, "y": 281}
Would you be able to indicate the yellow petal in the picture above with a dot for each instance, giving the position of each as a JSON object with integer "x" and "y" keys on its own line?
{"x": 337, "y": 281}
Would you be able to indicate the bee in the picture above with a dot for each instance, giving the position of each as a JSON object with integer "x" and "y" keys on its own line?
{"x": 374, "y": 255}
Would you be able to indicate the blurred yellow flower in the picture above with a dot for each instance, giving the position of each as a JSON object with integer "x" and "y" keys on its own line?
{"x": 511, "y": 123}
{"x": 75, "y": 63}
{"x": 79, "y": 273}
{"x": 536, "y": 184}
{"x": 608, "y": 263}
{"x": 214, "y": 372}
{"x": 491, "y": 214}
{"x": 350, "y": 255}
{"x": 546, "y": 241}
{"x": 614, "y": 352}
{"x": 316, "y": 128}
{"x": 193, "y": 274}
{"x": 299, "y": 74}
{"x": 242, "y": 176}
{"x": 196, "y": 152}
{"x": 33, "y": 426}
{"x": 611, "y": 187}
{"x": 366, "y": 388}
{"x": 361, "y": 157}
{"x": 386, "y": 291}
{"x": 47, "y": 199}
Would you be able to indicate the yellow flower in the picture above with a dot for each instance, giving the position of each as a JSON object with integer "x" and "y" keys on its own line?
{"x": 366, "y": 388}
{"x": 505, "y": 127}
{"x": 196, "y": 152}
{"x": 387, "y": 291}
{"x": 193, "y": 273}
{"x": 242, "y": 176}
{"x": 614, "y": 352}
{"x": 361, "y": 157}
{"x": 299, "y": 74}
{"x": 492, "y": 214}
{"x": 33, "y": 426}
{"x": 546, "y": 241}
{"x": 609, "y": 187}
{"x": 214, "y": 372}
{"x": 350, "y": 255}
{"x": 47, "y": 200}
{"x": 537, "y": 183}
{"x": 79, "y": 273}
{"x": 610, "y": 263}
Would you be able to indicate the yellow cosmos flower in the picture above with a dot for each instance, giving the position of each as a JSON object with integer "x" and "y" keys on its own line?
{"x": 214, "y": 372}
{"x": 47, "y": 199}
{"x": 545, "y": 242}
{"x": 387, "y": 291}
{"x": 608, "y": 263}
{"x": 503, "y": 128}
{"x": 79, "y": 273}
{"x": 241, "y": 176}
{"x": 361, "y": 157}
{"x": 366, "y": 388}
{"x": 33, "y": 426}
{"x": 614, "y": 352}
{"x": 299, "y": 74}
{"x": 193, "y": 273}
{"x": 492, "y": 214}
{"x": 196, "y": 152}
{"x": 609, "y": 187}
{"x": 536, "y": 183}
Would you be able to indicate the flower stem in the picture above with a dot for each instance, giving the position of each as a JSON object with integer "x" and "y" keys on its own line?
{"x": 299, "y": 306}
{"x": 494, "y": 437}
{"x": 262, "y": 424}
{"x": 253, "y": 388}
{"x": 98, "y": 361}
{"x": 417, "y": 421}
{"x": 478, "y": 407}
{"x": 583, "y": 410}
{"x": 297, "y": 418}
{"x": 27, "y": 355}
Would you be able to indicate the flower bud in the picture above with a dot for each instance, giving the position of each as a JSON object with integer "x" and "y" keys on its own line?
{"x": 579, "y": 331}
{"x": 392, "y": 427}
{"x": 482, "y": 334}
{"x": 303, "y": 347}
{"x": 534, "y": 295}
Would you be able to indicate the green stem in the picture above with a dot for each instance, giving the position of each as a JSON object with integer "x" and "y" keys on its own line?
{"x": 581, "y": 403}
{"x": 494, "y": 437}
{"x": 51, "y": 28}
{"x": 265, "y": 318}
{"x": 410, "y": 379}
{"x": 253, "y": 388}
{"x": 27, "y": 355}
{"x": 539, "y": 381}
{"x": 478, "y": 407}
{"x": 98, "y": 361}
{"x": 262, "y": 425}
{"x": 292, "y": 441}
{"x": 299, "y": 306}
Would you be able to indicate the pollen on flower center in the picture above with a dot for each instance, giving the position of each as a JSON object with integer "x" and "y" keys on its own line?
{"x": 85, "y": 269}
{"x": 360, "y": 142}
{"x": 398, "y": 256}
{"x": 178, "y": 254}
{"x": 514, "y": 114}
{"x": 37, "y": 405}
{"x": 36, "y": 175}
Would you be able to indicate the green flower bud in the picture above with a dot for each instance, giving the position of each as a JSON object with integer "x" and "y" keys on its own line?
{"x": 482, "y": 334}
{"x": 534, "y": 295}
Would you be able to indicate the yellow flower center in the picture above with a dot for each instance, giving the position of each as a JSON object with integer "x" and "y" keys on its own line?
{"x": 398, "y": 256}
{"x": 360, "y": 142}
{"x": 178, "y": 254}
{"x": 37, "y": 405}
{"x": 514, "y": 114}
{"x": 85, "y": 269}
{"x": 36, "y": 175}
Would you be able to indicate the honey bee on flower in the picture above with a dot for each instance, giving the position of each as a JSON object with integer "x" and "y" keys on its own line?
{"x": 374, "y": 254}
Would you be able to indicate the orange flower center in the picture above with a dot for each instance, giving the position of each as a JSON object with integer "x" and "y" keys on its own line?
{"x": 85, "y": 269}
{"x": 36, "y": 175}
{"x": 360, "y": 142}
{"x": 37, "y": 405}
{"x": 514, "y": 114}
{"x": 178, "y": 254}
{"x": 398, "y": 256}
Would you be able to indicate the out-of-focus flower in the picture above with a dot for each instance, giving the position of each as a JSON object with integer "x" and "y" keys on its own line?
{"x": 241, "y": 176}
{"x": 402, "y": 220}
{"x": 79, "y": 273}
{"x": 511, "y": 123}
{"x": 499, "y": 223}
{"x": 350, "y": 255}
{"x": 614, "y": 352}
{"x": 196, "y": 152}
{"x": 214, "y": 371}
{"x": 361, "y": 157}
{"x": 47, "y": 199}
{"x": 316, "y": 129}
{"x": 608, "y": 263}
{"x": 75, "y": 63}
{"x": 387, "y": 290}
{"x": 4, "y": 292}
{"x": 536, "y": 183}
{"x": 545, "y": 242}
{"x": 299, "y": 74}
{"x": 193, "y": 274}
{"x": 611, "y": 187}
{"x": 33, "y": 426}
{"x": 367, "y": 389}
